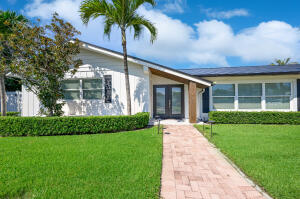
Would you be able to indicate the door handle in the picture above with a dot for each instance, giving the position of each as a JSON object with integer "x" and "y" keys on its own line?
{"x": 169, "y": 103}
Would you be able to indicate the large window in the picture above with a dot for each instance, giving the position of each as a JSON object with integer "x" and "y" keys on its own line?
{"x": 92, "y": 88}
{"x": 278, "y": 95}
{"x": 87, "y": 89}
{"x": 249, "y": 96}
{"x": 223, "y": 96}
{"x": 71, "y": 89}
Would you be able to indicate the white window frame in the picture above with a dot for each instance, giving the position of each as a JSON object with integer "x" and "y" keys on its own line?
{"x": 81, "y": 89}
{"x": 263, "y": 97}
{"x": 234, "y": 97}
{"x": 72, "y": 90}
{"x": 290, "y": 96}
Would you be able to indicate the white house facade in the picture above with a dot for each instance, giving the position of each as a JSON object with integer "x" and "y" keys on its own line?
{"x": 98, "y": 88}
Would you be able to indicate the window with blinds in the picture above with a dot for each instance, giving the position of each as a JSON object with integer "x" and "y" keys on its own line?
{"x": 223, "y": 96}
{"x": 83, "y": 89}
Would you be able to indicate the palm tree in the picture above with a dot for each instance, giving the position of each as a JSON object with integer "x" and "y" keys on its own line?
{"x": 123, "y": 14}
{"x": 8, "y": 19}
{"x": 283, "y": 62}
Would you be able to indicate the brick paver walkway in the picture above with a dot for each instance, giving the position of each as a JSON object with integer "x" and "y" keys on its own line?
{"x": 192, "y": 168}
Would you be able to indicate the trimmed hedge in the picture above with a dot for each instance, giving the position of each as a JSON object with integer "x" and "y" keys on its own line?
{"x": 13, "y": 114}
{"x": 37, "y": 126}
{"x": 266, "y": 117}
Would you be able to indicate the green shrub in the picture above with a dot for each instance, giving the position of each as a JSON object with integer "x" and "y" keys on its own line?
{"x": 12, "y": 114}
{"x": 36, "y": 126}
{"x": 266, "y": 117}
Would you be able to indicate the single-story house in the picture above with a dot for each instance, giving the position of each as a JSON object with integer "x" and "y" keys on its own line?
{"x": 98, "y": 88}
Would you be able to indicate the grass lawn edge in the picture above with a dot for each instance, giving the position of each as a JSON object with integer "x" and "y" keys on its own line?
{"x": 92, "y": 174}
{"x": 251, "y": 181}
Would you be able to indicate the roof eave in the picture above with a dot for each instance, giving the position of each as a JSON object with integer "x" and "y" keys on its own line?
{"x": 249, "y": 74}
{"x": 143, "y": 62}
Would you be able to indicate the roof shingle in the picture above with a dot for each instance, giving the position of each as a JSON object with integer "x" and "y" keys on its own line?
{"x": 244, "y": 70}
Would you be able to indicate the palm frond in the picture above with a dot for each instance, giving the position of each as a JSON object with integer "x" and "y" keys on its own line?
{"x": 138, "y": 28}
{"x": 8, "y": 19}
{"x": 137, "y": 3}
{"x": 279, "y": 62}
{"x": 91, "y": 9}
{"x": 122, "y": 13}
{"x": 287, "y": 61}
{"x": 140, "y": 20}
{"x": 107, "y": 27}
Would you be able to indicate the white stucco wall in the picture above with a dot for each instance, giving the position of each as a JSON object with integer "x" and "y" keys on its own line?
{"x": 96, "y": 65}
{"x": 258, "y": 79}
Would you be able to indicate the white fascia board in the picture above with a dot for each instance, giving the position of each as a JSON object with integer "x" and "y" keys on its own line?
{"x": 143, "y": 63}
{"x": 109, "y": 53}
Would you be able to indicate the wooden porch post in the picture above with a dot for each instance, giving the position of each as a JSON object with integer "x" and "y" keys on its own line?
{"x": 192, "y": 102}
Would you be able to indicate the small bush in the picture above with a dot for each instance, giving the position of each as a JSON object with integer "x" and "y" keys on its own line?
{"x": 12, "y": 114}
{"x": 265, "y": 117}
{"x": 36, "y": 126}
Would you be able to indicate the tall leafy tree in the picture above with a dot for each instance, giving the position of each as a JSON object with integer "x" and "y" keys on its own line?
{"x": 122, "y": 14}
{"x": 8, "y": 20}
{"x": 44, "y": 54}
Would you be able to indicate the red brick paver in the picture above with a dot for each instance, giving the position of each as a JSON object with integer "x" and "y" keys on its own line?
{"x": 192, "y": 168}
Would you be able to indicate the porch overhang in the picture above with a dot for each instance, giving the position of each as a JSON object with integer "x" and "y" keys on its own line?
{"x": 192, "y": 89}
{"x": 177, "y": 78}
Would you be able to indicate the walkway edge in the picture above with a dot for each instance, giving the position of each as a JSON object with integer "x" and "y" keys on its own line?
{"x": 251, "y": 182}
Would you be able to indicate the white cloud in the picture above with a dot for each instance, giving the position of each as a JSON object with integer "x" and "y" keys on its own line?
{"x": 212, "y": 42}
{"x": 268, "y": 40}
{"x": 176, "y": 6}
{"x": 69, "y": 10}
{"x": 206, "y": 42}
{"x": 225, "y": 14}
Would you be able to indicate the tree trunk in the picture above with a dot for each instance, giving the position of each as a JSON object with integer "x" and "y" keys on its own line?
{"x": 51, "y": 112}
{"x": 126, "y": 72}
{"x": 2, "y": 95}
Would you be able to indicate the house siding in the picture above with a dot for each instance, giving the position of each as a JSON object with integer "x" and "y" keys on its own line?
{"x": 30, "y": 103}
{"x": 96, "y": 65}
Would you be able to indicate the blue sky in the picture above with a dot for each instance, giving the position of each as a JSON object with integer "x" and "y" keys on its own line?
{"x": 203, "y": 33}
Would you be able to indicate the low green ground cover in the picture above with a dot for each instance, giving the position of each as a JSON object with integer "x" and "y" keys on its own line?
{"x": 118, "y": 165}
{"x": 268, "y": 154}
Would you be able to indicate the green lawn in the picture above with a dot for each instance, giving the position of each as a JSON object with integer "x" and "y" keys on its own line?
{"x": 269, "y": 154}
{"x": 117, "y": 165}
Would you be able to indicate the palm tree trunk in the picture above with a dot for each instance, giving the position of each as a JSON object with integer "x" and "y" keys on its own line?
{"x": 2, "y": 95}
{"x": 126, "y": 72}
